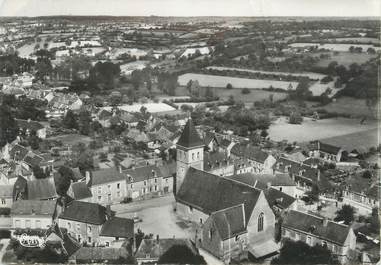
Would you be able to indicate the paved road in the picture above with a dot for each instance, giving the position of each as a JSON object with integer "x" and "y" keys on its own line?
{"x": 5, "y": 243}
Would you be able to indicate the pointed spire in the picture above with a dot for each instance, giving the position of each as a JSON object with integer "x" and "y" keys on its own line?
{"x": 190, "y": 137}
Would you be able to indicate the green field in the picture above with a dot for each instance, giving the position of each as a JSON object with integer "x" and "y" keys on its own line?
{"x": 351, "y": 106}
{"x": 314, "y": 130}
{"x": 346, "y": 59}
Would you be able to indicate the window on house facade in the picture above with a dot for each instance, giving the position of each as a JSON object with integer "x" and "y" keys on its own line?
{"x": 118, "y": 186}
{"x": 109, "y": 187}
{"x": 17, "y": 223}
{"x": 68, "y": 225}
{"x": 280, "y": 189}
{"x": 28, "y": 224}
{"x": 260, "y": 222}
{"x": 309, "y": 240}
{"x": 132, "y": 186}
{"x": 155, "y": 180}
{"x": 89, "y": 239}
{"x": 192, "y": 156}
{"x": 78, "y": 227}
{"x": 145, "y": 183}
{"x": 118, "y": 194}
{"x": 190, "y": 209}
{"x": 198, "y": 155}
{"x": 210, "y": 234}
{"x": 236, "y": 238}
{"x": 2, "y": 201}
{"x": 38, "y": 224}
{"x": 99, "y": 189}
{"x": 89, "y": 229}
{"x": 155, "y": 188}
{"x": 99, "y": 198}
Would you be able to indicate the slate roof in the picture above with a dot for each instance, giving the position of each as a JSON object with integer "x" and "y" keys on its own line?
{"x": 142, "y": 173}
{"x": 85, "y": 212}
{"x": 324, "y": 147}
{"x": 28, "y": 207}
{"x": 209, "y": 136}
{"x": 33, "y": 159}
{"x": 154, "y": 249}
{"x": 250, "y": 152}
{"x": 41, "y": 189}
{"x": 118, "y": 227}
{"x": 230, "y": 222}
{"x": 106, "y": 175}
{"x": 277, "y": 198}
{"x": 264, "y": 179}
{"x": 190, "y": 137}
{"x": 18, "y": 152}
{"x": 215, "y": 160}
{"x": 311, "y": 224}
{"x": 80, "y": 190}
{"x": 209, "y": 193}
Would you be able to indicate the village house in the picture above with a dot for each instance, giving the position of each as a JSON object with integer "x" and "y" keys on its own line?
{"x": 279, "y": 181}
{"x": 145, "y": 182}
{"x": 328, "y": 152}
{"x": 150, "y": 250}
{"x": 338, "y": 238}
{"x": 95, "y": 225}
{"x": 260, "y": 161}
{"x": 79, "y": 191}
{"x": 33, "y": 214}
{"x": 99, "y": 255}
{"x": 218, "y": 163}
{"x": 107, "y": 185}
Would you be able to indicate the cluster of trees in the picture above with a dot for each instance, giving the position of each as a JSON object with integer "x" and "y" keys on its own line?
{"x": 167, "y": 82}
{"x": 81, "y": 122}
{"x": 104, "y": 74}
{"x": 241, "y": 120}
{"x": 11, "y": 64}
{"x": 20, "y": 108}
{"x": 43, "y": 64}
{"x": 346, "y": 214}
{"x": 298, "y": 252}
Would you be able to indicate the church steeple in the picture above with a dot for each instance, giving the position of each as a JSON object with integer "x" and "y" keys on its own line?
{"x": 189, "y": 137}
{"x": 190, "y": 152}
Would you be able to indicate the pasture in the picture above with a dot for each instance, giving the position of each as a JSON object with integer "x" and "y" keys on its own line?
{"x": 311, "y": 130}
{"x": 346, "y": 59}
{"x": 351, "y": 106}
{"x": 311, "y": 75}
{"x": 236, "y": 82}
{"x": 340, "y": 47}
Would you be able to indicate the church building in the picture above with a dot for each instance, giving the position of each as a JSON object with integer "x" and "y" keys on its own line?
{"x": 234, "y": 220}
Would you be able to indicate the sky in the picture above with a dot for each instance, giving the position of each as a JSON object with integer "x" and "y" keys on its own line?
{"x": 343, "y": 8}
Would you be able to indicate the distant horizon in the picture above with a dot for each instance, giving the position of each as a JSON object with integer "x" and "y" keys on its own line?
{"x": 191, "y": 8}
{"x": 191, "y": 16}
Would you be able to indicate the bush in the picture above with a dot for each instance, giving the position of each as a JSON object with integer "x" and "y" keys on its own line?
{"x": 126, "y": 200}
{"x": 367, "y": 174}
{"x": 295, "y": 118}
{"x": 5, "y": 211}
{"x": 245, "y": 91}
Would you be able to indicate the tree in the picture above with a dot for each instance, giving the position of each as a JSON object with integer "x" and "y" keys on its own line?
{"x": 298, "y": 252}
{"x": 229, "y": 86}
{"x": 264, "y": 133}
{"x": 84, "y": 122}
{"x": 64, "y": 180}
{"x": 8, "y": 126}
{"x": 70, "y": 121}
{"x": 367, "y": 174}
{"x": 105, "y": 74}
{"x": 180, "y": 254}
{"x": 245, "y": 91}
{"x": 295, "y": 118}
{"x": 346, "y": 214}
{"x": 38, "y": 172}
